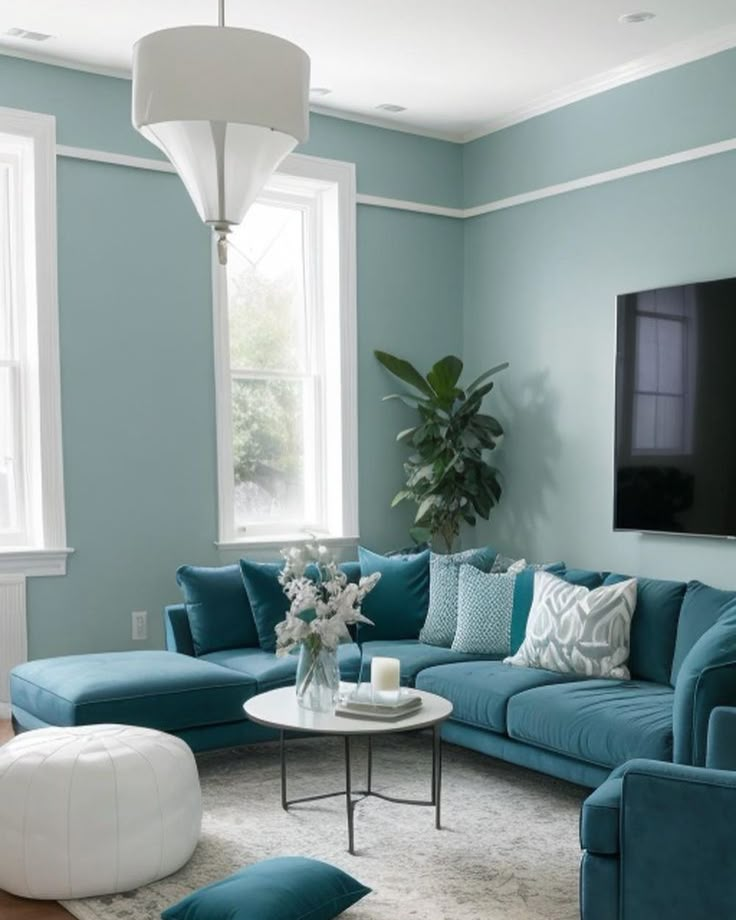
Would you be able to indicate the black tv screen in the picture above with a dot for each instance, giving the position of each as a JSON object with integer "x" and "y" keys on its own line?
{"x": 675, "y": 443}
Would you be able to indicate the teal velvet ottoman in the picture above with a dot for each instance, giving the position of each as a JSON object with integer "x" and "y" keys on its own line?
{"x": 198, "y": 701}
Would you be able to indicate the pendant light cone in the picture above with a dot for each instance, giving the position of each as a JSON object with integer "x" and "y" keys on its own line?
{"x": 226, "y": 106}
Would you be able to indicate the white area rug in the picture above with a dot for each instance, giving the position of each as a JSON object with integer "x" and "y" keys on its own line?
{"x": 508, "y": 849}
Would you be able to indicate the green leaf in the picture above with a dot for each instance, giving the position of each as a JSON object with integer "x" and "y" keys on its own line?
{"x": 426, "y": 506}
{"x": 413, "y": 401}
{"x": 400, "y": 497}
{"x": 478, "y": 380}
{"x": 404, "y": 371}
{"x": 405, "y": 434}
{"x": 444, "y": 376}
{"x": 420, "y": 534}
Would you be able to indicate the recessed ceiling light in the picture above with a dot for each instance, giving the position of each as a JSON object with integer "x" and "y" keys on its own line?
{"x": 319, "y": 91}
{"x": 391, "y": 107}
{"x": 27, "y": 34}
{"x": 641, "y": 16}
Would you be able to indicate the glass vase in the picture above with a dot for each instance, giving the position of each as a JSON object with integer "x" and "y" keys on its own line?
{"x": 317, "y": 678}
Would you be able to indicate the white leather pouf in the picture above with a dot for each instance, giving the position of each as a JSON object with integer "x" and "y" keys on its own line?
{"x": 94, "y": 810}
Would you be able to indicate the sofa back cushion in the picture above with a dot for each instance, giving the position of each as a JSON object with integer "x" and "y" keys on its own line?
{"x": 654, "y": 627}
{"x": 219, "y": 612}
{"x": 267, "y": 598}
{"x": 701, "y": 607}
{"x": 399, "y": 603}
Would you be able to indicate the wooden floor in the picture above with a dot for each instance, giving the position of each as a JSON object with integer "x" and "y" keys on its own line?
{"x": 20, "y": 908}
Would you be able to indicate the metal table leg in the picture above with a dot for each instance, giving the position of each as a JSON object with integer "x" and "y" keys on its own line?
{"x": 284, "y": 803}
{"x": 349, "y": 797}
{"x": 437, "y": 774}
{"x": 369, "y": 785}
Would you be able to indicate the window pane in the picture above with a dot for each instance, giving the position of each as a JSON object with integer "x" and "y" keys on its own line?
{"x": 6, "y": 316}
{"x": 265, "y": 279}
{"x": 269, "y": 422}
{"x": 8, "y": 457}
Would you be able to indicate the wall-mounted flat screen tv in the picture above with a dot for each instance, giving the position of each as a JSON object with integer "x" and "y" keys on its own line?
{"x": 675, "y": 443}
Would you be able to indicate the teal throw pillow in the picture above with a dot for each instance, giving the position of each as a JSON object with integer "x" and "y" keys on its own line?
{"x": 654, "y": 627}
{"x": 219, "y": 613}
{"x": 492, "y": 609}
{"x": 267, "y": 599}
{"x": 285, "y": 888}
{"x": 399, "y": 602}
{"x": 444, "y": 574}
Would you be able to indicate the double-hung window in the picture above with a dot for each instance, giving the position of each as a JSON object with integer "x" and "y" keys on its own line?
{"x": 32, "y": 529}
{"x": 286, "y": 361}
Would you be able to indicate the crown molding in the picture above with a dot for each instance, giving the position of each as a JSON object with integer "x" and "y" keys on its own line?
{"x": 685, "y": 52}
{"x": 378, "y": 121}
{"x": 38, "y": 57}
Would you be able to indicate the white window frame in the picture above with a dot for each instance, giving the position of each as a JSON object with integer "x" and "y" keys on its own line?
{"x": 44, "y": 550}
{"x": 330, "y": 178}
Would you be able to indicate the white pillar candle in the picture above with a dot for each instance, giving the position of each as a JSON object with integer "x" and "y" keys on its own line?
{"x": 385, "y": 674}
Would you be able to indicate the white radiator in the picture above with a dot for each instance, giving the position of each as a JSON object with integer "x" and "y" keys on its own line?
{"x": 13, "y": 633}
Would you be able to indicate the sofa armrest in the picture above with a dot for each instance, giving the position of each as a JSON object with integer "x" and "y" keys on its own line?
{"x": 678, "y": 854}
{"x": 721, "y": 753}
{"x": 706, "y": 680}
{"x": 178, "y": 632}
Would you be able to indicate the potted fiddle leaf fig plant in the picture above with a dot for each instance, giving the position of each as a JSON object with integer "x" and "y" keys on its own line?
{"x": 449, "y": 474}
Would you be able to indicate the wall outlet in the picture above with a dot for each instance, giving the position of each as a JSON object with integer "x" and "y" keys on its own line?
{"x": 140, "y": 624}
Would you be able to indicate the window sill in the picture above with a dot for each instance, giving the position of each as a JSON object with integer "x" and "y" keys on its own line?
{"x": 33, "y": 562}
{"x": 280, "y": 541}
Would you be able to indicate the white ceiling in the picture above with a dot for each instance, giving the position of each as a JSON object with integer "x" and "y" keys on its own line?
{"x": 461, "y": 67}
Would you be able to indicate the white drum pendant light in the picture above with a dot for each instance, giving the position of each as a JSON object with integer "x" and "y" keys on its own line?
{"x": 226, "y": 106}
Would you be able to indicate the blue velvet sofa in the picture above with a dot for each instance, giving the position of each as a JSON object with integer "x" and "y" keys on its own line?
{"x": 658, "y": 837}
{"x": 683, "y": 665}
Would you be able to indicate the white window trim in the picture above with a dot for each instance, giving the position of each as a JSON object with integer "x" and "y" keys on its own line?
{"x": 343, "y": 175}
{"x": 50, "y": 557}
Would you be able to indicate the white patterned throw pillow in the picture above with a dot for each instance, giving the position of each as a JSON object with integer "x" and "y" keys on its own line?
{"x": 573, "y": 630}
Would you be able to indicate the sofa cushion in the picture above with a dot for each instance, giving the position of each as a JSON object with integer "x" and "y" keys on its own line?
{"x": 270, "y": 672}
{"x": 399, "y": 602}
{"x": 603, "y": 722}
{"x": 414, "y": 656}
{"x": 267, "y": 598}
{"x": 444, "y": 576}
{"x": 480, "y": 690}
{"x": 575, "y": 630}
{"x": 654, "y": 626}
{"x": 160, "y": 690}
{"x": 599, "y": 818}
{"x": 217, "y": 607}
{"x": 701, "y": 607}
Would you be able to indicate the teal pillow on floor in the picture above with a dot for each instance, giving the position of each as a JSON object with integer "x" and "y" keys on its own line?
{"x": 285, "y": 888}
{"x": 399, "y": 602}
{"x": 267, "y": 599}
{"x": 444, "y": 574}
{"x": 219, "y": 613}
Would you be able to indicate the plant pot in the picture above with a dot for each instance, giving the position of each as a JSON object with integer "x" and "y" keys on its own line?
{"x": 317, "y": 678}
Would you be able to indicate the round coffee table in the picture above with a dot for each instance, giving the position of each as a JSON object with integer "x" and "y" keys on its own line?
{"x": 279, "y": 709}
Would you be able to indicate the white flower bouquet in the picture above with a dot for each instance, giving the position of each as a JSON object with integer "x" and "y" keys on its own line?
{"x": 323, "y": 603}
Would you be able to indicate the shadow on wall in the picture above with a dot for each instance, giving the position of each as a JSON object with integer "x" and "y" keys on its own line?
{"x": 527, "y": 459}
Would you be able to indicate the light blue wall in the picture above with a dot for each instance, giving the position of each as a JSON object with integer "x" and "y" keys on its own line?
{"x": 540, "y": 286}
{"x": 136, "y": 350}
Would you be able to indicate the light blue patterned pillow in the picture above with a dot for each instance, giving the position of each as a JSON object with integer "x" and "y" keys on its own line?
{"x": 439, "y": 627}
{"x": 485, "y": 610}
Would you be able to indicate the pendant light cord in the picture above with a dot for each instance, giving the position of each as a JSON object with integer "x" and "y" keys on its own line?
{"x": 221, "y": 16}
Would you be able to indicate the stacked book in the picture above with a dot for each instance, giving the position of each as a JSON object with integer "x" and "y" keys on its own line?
{"x": 361, "y": 703}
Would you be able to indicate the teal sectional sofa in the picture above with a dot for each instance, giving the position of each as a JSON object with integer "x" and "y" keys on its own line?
{"x": 683, "y": 665}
